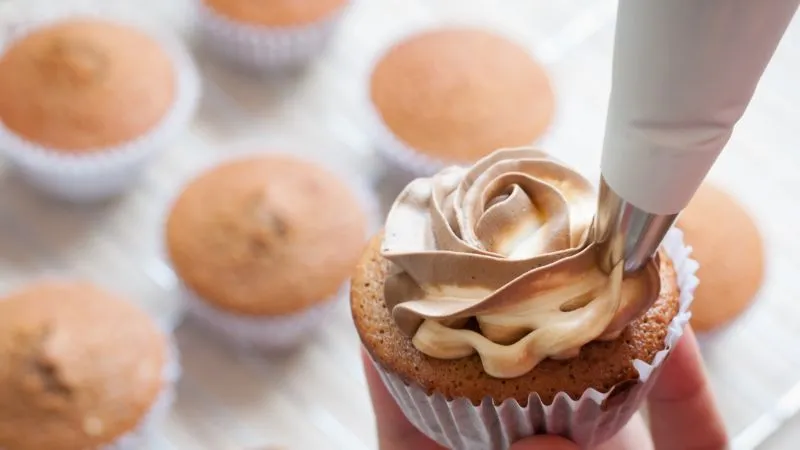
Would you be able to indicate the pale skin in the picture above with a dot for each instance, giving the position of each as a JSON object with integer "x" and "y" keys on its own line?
{"x": 681, "y": 408}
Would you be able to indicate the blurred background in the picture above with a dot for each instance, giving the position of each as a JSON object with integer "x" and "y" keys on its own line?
{"x": 316, "y": 397}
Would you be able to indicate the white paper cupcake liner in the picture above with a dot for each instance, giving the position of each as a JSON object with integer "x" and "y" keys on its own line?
{"x": 399, "y": 155}
{"x": 107, "y": 172}
{"x": 460, "y": 425}
{"x": 140, "y": 437}
{"x": 265, "y": 48}
{"x": 262, "y": 334}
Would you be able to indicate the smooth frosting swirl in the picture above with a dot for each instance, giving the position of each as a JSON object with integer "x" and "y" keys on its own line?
{"x": 500, "y": 259}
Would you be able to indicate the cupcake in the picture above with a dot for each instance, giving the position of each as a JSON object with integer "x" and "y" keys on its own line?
{"x": 84, "y": 103}
{"x": 484, "y": 310}
{"x": 732, "y": 275}
{"x": 453, "y": 96}
{"x": 264, "y": 246}
{"x": 81, "y": 369}
{"x": 277, "y": 35}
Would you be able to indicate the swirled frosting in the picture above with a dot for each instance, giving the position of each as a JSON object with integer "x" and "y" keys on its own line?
{"x": 500, "y": 260}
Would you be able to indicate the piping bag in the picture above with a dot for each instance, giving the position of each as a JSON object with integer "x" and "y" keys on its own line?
{"x": 684, "y": 72}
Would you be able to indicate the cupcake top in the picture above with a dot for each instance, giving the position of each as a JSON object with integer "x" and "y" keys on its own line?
{"x": 275, "y": 12}
{"x": 83, "y": 85}
{"x": 500, "y": 259}
{"x": 266, "y": 235}
{"x": 730, "y": 250}
{"x": 459, "y": 94}
{"x": 79, "y": 367}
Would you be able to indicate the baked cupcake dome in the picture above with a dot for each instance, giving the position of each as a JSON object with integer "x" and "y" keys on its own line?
{"x": 728, "y": 246}
{"x": 283, "y": 34}
{"x": 265, "y": 237}
{"x": 84, "y": 85}
{"x": 457, "y": 94}
{"x": 81, "y": 367}
{"x": 87, "y": 101}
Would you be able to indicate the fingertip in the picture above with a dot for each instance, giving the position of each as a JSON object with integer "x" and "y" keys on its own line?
{"x": 683, "y": 373}
{"x": 544, "y": 443}
{"x": 682, "y": 408}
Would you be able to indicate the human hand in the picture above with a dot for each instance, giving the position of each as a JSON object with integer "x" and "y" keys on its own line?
{"x": 681, "y": 411}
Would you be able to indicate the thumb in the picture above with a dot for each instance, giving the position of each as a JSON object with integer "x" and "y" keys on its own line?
{"x": 544, "y": 443}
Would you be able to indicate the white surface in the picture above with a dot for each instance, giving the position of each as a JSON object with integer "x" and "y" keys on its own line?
{"x": 316, "y": 398}
{"x": 683, "y": 74}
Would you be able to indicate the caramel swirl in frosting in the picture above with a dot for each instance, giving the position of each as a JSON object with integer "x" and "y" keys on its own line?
{"x": 499, "y": 259}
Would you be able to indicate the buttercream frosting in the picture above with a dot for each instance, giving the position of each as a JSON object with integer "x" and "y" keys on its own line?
{"x": 499, "y": 259}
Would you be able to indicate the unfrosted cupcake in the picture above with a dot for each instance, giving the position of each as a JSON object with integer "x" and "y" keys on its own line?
{"x": 731, "y": 274}
{"x": 81, "y": 369}
{"x": 455, "y": 95}
{"x": 264, "y": 246}
{"x": 274, "y": 35}
{"x": 485, "y": 313}
{"x": 85, "y": 102}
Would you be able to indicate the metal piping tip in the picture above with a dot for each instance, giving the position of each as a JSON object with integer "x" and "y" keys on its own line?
{"x": 625, "y": 232}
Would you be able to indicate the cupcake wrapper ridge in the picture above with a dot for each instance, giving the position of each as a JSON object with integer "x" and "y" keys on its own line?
{"x": 588, "y": 421}
{"x": 107, "y": 172}
{"x": 265, "y": 48}
{"x": 264, "y": 334}
{"x": 397, "y": 154}
{"x": 148, "y": 427}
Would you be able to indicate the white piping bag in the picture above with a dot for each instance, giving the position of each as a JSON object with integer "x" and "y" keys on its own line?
{"x": 684, "y": 72}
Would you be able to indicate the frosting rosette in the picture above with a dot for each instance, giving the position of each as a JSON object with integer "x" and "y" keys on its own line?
{"x": 500, "y": 259}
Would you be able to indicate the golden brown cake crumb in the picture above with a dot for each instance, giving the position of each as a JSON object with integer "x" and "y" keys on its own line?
{"x": 84, "y": 85}
{"x": 729, "y": 248}
{"x": 276, "y": 12}
{"x": 600, "y": 365}
{"x": 266, "y": 235}
{"x": 79, "y": 367}
{"x": 459, "y": 94}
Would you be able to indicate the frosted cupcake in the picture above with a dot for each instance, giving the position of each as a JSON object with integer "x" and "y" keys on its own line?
{"x": 454, "y": 95}
{"x": 82, "y": 369}
{"x": 265, "y": 246}
{"x": 280, "y": 34}
{"x": 85, "y": 102}
{"x": 732, "y": 276}
{"x": 488, "y": 319}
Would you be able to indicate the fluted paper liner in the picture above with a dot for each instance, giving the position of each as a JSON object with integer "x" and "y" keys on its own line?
{"x": 148, "y": 427}
{"x": 460, "y": 425}
{"x": 106, "y": 172}
{"x": 266, "y": 47}
{"x": 266, "y": 334}
{"x": 280, "y": 332}
{"x": 400, "y": 155}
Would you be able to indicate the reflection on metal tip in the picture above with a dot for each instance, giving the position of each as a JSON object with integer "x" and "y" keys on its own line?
{"x": 625, "y": 232}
